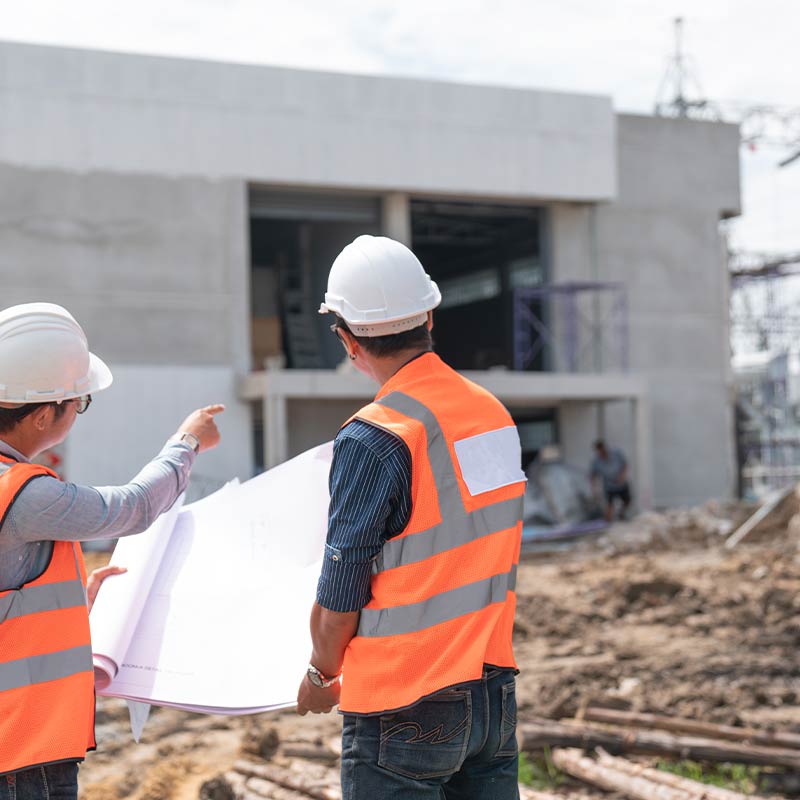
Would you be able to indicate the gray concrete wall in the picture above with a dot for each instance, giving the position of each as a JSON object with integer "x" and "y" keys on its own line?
{"x": 88, "y": 110}
{"x": 157, "y": 272}
{"x": 660, "y": 238}
{"x": 156, "y": 269}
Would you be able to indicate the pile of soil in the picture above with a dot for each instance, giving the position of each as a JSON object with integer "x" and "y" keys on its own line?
{"x": 656, "y": 615}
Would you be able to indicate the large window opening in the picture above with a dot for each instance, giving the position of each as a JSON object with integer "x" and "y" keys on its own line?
{"x": 294, "y": 239}
{"x": 478, "y": 253}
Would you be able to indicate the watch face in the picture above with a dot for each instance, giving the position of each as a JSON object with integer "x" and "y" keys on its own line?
{"x": 315, "y": 678}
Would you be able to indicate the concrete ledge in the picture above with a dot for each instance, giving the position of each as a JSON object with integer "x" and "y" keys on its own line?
{"x": 513, "y": 388}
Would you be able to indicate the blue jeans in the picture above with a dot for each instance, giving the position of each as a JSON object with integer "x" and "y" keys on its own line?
{"x": 53, "y": 782}
{"x": 459, "y": 744}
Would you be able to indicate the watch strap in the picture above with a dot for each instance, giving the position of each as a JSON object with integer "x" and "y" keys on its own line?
{"x": 187, "y": 438}
{"x": 320, "y": 680}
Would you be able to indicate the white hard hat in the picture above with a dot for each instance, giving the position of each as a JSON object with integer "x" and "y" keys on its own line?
{"x": 378, "y": 287}
{"x": 44, "y": 356}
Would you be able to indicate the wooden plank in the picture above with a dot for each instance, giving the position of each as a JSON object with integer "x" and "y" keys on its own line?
{"x": 770, "y": 504}
{"x": 541, "y": 733}
{"x": 612, "y": 716}
{"x": 612, "y": 780}
{"x": 668, "y": 778}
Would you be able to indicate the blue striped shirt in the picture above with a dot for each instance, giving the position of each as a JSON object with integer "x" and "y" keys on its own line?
{"x": 370, "y": 485}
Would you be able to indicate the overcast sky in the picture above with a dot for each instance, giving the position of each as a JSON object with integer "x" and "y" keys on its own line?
{"x": 742, "y": 50}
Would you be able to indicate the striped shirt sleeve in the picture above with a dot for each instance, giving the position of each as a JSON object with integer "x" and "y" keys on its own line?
{"x": 370, "y": 485}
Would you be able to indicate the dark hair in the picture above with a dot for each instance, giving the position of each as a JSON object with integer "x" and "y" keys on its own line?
{"x": 11, "y": 417}
{"x": 599, "y": 445}
{"x": 418, "y": 338}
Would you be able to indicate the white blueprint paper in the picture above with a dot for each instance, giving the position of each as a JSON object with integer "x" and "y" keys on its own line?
{"x": 225, "y": 624}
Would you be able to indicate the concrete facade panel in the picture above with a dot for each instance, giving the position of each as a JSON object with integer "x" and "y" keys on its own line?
{"x": 672, "y": 252}
{"x": 678, "y": 163}
{"x": 684, "y": 344}
{"x": 156, "y": 269}
{"x": 126, "y": 113}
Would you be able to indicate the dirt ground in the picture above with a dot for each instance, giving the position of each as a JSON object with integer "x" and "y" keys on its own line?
{"x": 656, "y": 615}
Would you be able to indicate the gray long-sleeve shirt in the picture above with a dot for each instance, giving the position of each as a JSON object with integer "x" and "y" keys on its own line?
{"x": 49, "y": 510}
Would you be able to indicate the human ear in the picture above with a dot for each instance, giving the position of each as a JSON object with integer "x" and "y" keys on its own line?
{"x": 42, "y": 418}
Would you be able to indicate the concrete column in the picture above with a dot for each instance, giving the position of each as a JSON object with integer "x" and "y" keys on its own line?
{"x": 643, "y": 474}
{"x": 576, "y": 431}
{"x": 276, "y": 425}
{"x": 396, "y": 217}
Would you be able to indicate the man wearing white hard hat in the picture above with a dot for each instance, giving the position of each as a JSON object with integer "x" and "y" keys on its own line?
{"x": 412, "y": 623}
{"x": 47, "y": 378}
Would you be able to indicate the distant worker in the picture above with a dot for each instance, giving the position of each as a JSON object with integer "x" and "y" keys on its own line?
{"x": 609, "y": 474}
{"x": 415, "y": 604}
{"x": 47, "y": 378}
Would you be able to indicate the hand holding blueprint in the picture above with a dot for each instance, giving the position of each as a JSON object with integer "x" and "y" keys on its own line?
{"x": 213, "y": 613}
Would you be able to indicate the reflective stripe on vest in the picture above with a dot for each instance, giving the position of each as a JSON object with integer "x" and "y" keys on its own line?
{"x": 33, "y": 599}
{"x": 439, "y": 608}
{"x": 48, "y": 667}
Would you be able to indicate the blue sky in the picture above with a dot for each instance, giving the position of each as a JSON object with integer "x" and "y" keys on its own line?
{"x": 741, "y": 50}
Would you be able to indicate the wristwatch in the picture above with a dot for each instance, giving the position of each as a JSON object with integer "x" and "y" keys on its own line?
{"x": 318, "y": 679}
{"x": 187, "y": 438}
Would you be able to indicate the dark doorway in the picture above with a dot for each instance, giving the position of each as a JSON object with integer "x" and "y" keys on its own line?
{"x": 479, "y": 254}
{"x": 294, "y": 239}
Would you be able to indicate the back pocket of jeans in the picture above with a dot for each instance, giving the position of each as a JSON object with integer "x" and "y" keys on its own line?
{"x": 508, "y": 722}
{"x": 428, "y": 740}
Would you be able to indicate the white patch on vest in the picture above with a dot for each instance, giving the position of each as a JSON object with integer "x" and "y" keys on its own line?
{"x": 490, "y": 460}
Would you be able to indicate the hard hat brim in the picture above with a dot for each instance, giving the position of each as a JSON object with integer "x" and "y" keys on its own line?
{"x": 100, "y": 376}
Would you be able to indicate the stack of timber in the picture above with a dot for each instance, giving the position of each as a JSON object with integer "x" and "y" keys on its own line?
{"x": 671, "y": 737}
{"x": 636, "y": 781}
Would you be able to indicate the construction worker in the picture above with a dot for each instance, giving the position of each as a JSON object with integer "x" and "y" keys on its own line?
{"x": 609, "y": 475}
{"x": 412, "y": 623}
{"x": 48, "y": 377}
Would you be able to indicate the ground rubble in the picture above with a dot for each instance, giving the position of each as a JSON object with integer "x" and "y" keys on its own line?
{"x": 656, "y": 615}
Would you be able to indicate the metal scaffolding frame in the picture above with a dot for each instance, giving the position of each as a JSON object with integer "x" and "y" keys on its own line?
{"x": 564, "y": 335}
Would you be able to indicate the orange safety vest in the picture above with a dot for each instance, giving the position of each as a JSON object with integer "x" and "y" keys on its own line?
{"x": 443, "y": 596}
{"x": 46, "y": 673}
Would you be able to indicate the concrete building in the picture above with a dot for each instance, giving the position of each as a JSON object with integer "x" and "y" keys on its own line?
{"x": 187, "y": 213}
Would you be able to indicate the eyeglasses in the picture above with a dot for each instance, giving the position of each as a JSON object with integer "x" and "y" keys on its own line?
{"x": 337, "y": 329}
{"x": 82, "y": 403}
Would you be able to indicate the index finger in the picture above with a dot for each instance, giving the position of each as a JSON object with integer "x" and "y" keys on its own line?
{"x": 214, "y": 409}
{"x": 110, "y": 569}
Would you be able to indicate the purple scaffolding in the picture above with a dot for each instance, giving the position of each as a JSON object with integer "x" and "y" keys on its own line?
{"x": 534, "y": 335}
